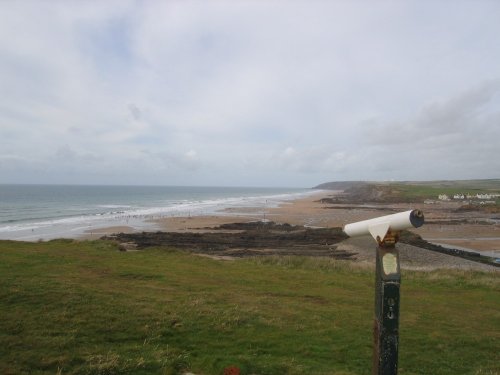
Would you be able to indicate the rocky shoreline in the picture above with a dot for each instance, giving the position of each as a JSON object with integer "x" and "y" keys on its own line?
{"x": 245, "y": 240}
{"x": 240, "y": 240}
{"x": 312, "y": 227}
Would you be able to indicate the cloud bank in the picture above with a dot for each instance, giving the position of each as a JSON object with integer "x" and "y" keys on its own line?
{"x": 248, "y": 93}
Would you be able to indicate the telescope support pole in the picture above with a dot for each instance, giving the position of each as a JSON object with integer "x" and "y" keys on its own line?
{"x": 386, "y": 323}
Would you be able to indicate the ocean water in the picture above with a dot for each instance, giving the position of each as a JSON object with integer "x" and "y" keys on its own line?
{"x": 32, "y": 212}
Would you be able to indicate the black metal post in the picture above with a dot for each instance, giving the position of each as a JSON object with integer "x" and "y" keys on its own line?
{"x": 386, "y": 324}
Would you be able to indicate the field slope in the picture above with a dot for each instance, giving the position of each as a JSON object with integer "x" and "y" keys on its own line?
{"x": 72, "y": 307}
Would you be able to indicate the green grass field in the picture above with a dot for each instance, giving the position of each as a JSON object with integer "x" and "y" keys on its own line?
{"x": 431, "y": 190}
{"x": 85, "y": 308}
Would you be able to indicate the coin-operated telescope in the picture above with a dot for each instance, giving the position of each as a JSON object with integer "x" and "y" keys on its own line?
{"x": 385, "y": 230}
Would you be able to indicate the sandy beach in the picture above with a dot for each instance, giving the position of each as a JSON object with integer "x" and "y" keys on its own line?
{"x": 311, "y": 212}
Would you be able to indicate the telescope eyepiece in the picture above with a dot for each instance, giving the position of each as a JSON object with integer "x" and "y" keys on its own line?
{"x": 417, "y": 218}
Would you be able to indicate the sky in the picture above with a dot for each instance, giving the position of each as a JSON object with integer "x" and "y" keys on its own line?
{"x": 248, "y": 93}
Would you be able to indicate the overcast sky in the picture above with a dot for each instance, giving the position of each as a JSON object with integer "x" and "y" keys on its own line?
{"x": 257, "y": 93}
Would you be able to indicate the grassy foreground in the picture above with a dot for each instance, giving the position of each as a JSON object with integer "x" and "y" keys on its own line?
{"x": 84, "y": 308}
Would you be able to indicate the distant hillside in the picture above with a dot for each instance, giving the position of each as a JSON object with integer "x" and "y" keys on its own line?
{"x": 485, "y": 184}
{"x": 340, "y": 185}
{"x": 409, "y": 191}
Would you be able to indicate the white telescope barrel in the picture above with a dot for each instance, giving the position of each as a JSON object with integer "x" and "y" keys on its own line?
{"x": 395, "y": 222}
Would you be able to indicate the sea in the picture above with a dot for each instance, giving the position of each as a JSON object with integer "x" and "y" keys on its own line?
{"x": 43, "y": 212}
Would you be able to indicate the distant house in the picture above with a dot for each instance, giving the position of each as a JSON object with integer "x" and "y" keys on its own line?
{"x": 459, "y": 196}
{"x": 483, "y": 196}
{"x": 443, "y": 197}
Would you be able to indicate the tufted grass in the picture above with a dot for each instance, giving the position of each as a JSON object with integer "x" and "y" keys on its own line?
{"x": 69, "y": 307}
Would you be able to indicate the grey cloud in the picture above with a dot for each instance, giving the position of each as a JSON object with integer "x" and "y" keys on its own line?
{"x": 453, "y": 120}
{"x": 135, "y": 112}
{"x": 211, "y": 96}
{"x": 452, "y": 138}
{"x": 21, "y": 169}
{"x": 13, "y": 161}
{"x": 65, "y": 154}
{"x": 458, "y": 113}
{"x": 188, "y": 160}
{"x": 314, "y": 159}
{"x": 170, "y": 160}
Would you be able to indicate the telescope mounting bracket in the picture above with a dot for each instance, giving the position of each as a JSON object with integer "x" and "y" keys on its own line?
{"x": 383, "y": 234}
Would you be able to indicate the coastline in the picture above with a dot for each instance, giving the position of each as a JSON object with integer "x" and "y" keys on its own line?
{"x": 189, "y": 233}
{"x": 311, "y": 212}
{"x": 309, "y": 208}
{"x": 301, "y": 211}
{"x": 38, "y": 214}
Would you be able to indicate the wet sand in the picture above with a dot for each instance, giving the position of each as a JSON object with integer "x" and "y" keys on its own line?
{"x": 94, "y": 234}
